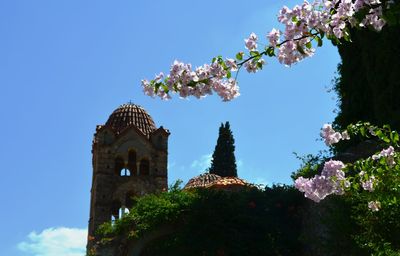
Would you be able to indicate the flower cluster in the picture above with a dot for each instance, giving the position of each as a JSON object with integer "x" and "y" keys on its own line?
{"x": 305, "y": 22}
{"x": 388, "y": 154}
{"x": 199, "y": 82}
{"x": 303, "y": 25}
{"x": 372, "y": 171}
{"x": 368, "y": 184}
{"x": 331, "y": 137}
{"x": 374, "y": 206}
{"x": 251, "y": 42}
{"x": 331, "y": 181}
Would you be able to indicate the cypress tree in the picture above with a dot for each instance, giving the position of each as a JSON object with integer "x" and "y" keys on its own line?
{"x": 223, "y": 161}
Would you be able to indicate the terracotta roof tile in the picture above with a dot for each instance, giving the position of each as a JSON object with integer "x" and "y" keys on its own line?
{"x": 131, "y": 114}
{"x": 214, "y": 181}
{"x": 201, "y": 181}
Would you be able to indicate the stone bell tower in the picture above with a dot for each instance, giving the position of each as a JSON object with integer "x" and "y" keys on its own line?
{"x": 129, "y": 159}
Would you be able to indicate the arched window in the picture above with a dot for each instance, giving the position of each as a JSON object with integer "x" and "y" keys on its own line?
{"x": 119, "y": 165}
{"x": 115, "y": 210}
{"x": 123, "y": 211}
{"x": 132, "y": 161}
{"x": 144, "y": 168}
{"x": 125, "y": 172}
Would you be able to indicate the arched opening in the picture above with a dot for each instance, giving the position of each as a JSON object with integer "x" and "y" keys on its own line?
{"x": 132, "y": 161}
{"x": 125, "y": 172}
{"x": 119, "y": 165}
{"x": 144, "y": 168}
{"x": 123, "y": 211}
{"x": 118, "y": 211}
{"x": 115, "y": 210}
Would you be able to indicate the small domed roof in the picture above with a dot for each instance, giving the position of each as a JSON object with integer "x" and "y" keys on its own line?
{"x": 229, "y": 181}
{"x": 208, "y": 180}
{"x": 202, "y": 181}
{"x": 131, "y": 114}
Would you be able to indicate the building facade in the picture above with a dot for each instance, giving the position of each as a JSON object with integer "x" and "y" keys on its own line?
{"x": 129, "y": 160}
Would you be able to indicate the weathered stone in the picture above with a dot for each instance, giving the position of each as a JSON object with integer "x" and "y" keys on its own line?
{"x": 130, "y": 157}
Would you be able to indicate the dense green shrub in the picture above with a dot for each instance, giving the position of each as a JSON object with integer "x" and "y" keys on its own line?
{"x": 212, "y": 222}
{"x": 368, "y": 82}
{"x": 351, "y": 225}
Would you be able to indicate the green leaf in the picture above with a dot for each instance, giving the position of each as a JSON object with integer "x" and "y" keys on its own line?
{"x": 362, "y": 131}
{"x": 319, "y": 41}
{"x": 254, "y": 53}
{"x": 300, "y": 49}
{"x": 395, "y": 137}
{"x": 270, "y": 51}
{"x": 378, "y": 133}
{"x": 157, "y": 86}
{"x": 228, "y": 75}
{"x": 239, "y": 55}
{"x": 165, "y": 88}
{"x": 308, "y": 45}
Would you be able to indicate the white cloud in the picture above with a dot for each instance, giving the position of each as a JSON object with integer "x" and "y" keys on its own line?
{"x": 202, "y": 164}
{"x": 59, "y": 241}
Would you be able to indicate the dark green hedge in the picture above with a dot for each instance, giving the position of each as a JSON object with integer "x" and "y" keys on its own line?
{"x": 209, "y": 222}
{"x": 368, "y": 82}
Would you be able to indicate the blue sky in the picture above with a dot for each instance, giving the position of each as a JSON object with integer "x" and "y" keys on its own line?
{"x": 66, "y": 65}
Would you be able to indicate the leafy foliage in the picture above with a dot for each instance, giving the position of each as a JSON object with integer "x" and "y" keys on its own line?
{"x": 376, "y": 230}
{"x": 368, "y": 82}
{"x": 211, "y": 222}
{"x": 149, "y": 212}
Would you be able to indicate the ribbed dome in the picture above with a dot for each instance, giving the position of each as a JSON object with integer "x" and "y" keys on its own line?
{"x": 202, "y": 181}
{"x": 131, "y": 114}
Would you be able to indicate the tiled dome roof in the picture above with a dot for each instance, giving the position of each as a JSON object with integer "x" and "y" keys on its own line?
{"x": 201, "y": 181}
{"x": 208, "y": 180}
{"x": 131, "y": 114}
{"x": 229, "y": 181}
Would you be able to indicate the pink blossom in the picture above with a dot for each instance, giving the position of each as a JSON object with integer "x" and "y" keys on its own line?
{"x": 217, "y": 70}
{"x": 251, "y": 42}
{"x": 302, "y": 24}
{"x": 226, "y": 89}
{"x": 345, "y": 135}
{"x": 274, "y": 37}
{"x": 333, "y": 168}
{"x": 231, "y": 64}
{"x": 374, "y": 19}
{"x": 331, "y": 181}
{"x": 374, "y": 206}
{"x": 329, "y": 135}
{"x": 369, "y": 184}
{"x": 252, "y": 66}
{"x": 148, "y": 89}
{"x": 389, "y": 153}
